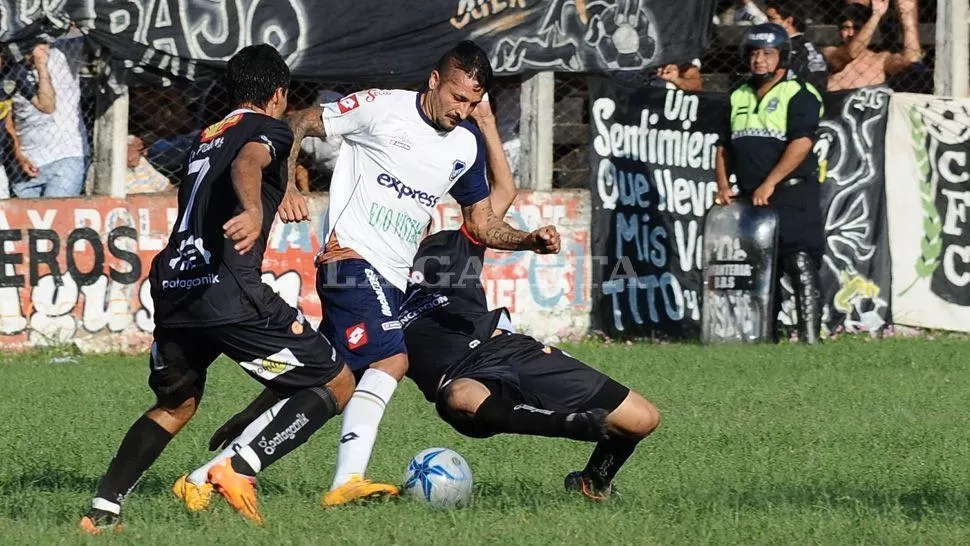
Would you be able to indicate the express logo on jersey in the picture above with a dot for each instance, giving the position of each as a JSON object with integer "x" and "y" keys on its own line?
{"x": 217, "y": 129}
{"x": 347, "y": 103}
{"x": 406, "y": 192}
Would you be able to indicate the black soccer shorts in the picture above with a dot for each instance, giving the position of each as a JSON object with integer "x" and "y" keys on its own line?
{"x": 520, "y": 369}
{"x": 285, "y": 358}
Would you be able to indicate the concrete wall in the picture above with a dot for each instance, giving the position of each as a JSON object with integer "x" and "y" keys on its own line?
{"x": 73, "y": 270}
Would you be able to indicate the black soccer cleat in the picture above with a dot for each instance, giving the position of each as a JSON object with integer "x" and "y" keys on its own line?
{"x": 587, "y": 426}
{"x": 577, "y": 481}
{"x": 98, "y": 521}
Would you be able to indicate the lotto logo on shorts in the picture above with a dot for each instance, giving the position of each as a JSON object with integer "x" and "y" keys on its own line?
{"x": 348, "y": 103}
{"x": 356, "y": 336}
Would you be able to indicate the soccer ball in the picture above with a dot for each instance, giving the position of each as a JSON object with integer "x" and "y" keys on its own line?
{"x": 440, "y": 477}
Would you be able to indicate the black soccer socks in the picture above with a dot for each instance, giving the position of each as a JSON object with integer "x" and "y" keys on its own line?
{"x": 606, "y": 460}
{"x": 295, "y": 421}
{"x": 141, "y": 446}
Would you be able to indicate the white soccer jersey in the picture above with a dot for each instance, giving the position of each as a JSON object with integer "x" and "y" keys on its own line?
{"x": 392, "y": 169}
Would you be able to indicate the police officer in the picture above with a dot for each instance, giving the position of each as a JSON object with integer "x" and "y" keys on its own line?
{"x": 767, "y": 145}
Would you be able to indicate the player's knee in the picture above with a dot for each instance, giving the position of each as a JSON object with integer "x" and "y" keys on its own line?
{"x": 396, "y": 366}
{"x": 464, "y": 396}
{"x": 173, "y": 415}
{"x": 342, "y": 387}
{"x": 456, "y": 405}
{"x": 636, "y": 417}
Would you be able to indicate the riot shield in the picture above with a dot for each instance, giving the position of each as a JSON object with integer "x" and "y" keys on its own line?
{"x": 740, "y": 242}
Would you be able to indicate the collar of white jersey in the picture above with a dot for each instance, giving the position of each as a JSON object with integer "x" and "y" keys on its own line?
{"x": 424, "y": 117}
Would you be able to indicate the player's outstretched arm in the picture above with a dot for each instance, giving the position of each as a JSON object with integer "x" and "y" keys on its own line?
{"x": 247, "y": 177}
{"x": 307, "y": 122}
{"x": 485, "y": 226}
{"x": 304, "y": 123}
{"x": 503, "y": 191}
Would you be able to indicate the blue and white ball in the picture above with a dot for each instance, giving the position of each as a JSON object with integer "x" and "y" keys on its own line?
{"x": 439, "y": 477}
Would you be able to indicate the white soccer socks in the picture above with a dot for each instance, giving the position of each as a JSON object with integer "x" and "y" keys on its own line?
{"x": 362, "y": 416}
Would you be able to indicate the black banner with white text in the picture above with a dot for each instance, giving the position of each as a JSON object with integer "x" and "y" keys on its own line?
{"x": 652, "y": 182}
{"x": 380, "y": 42}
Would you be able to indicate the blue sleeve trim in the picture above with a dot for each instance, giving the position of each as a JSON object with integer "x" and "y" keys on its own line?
{"x": 472, "y": 185}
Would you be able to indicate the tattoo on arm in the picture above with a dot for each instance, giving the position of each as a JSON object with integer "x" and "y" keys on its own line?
{"x": 491, "y": 230}
{"x": 304, "y": 123}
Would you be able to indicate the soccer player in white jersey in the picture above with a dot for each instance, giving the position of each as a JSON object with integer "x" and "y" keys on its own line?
{"x": 402, "y": 152}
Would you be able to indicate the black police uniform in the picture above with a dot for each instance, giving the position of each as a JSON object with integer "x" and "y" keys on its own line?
{"x": 755, "y": 136}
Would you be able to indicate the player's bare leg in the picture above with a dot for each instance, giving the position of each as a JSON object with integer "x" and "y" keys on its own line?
{"x": 632, "y": 421}
{"x": 362, "y": 417}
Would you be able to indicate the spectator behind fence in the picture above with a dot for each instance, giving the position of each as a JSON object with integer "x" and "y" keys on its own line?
{"x": 14, "y": 80}
{"x": 855, "y": 64}
{"x": 141, "y": 176}
{"x": 890, "y": 29}
{"x": 685, "y": 76}
{"x": 51, "y": 147}
{"x": 807, "y": 62}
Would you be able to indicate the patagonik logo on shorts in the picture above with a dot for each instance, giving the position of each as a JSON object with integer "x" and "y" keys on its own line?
{"x": 940, "y": 129}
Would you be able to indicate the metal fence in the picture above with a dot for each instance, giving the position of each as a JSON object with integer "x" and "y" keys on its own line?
{"x": 167, "y": 119}
{"x": 41, "y": 153}
{"x": 163, "y": 121}
{"x": 829, "y": 25}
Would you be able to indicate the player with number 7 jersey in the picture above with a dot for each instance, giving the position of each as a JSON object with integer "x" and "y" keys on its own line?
{"x": 199, "y": 279}
{"x": 210, "y": 301}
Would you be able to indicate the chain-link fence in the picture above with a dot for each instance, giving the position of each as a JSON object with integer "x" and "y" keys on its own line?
{"x": 48, "y": 104}
{"x": 166, "y": 120}
{"x": 837, "y": 45}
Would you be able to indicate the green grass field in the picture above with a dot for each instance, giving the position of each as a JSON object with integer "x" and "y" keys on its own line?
{"x": 852, "y": 442}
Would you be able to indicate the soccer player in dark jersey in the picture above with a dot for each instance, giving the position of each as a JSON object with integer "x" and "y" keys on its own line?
{"x": 484, "y": 378}
{"x": 209, "y": 300}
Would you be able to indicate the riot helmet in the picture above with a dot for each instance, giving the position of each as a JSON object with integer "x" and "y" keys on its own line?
{"x": 767, "y": 36}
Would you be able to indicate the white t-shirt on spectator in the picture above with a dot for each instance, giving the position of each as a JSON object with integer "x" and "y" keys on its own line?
{"x": 45, "y": 138}
{"x": 392, "y": 169}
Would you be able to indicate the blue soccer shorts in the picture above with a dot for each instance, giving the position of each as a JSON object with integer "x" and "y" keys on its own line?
{"x": 360, "y": 312}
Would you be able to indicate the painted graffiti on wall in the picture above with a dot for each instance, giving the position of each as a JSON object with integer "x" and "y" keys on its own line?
{"x": 74, "y": 270}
